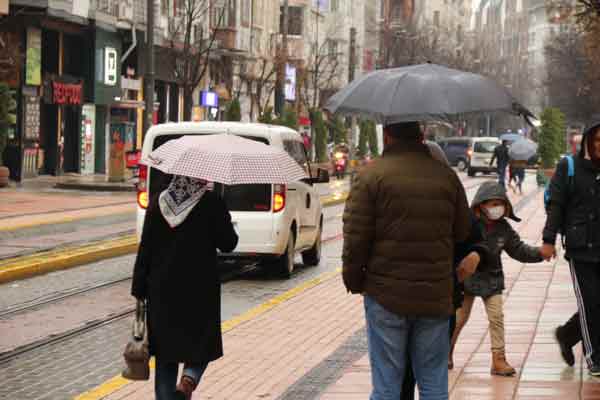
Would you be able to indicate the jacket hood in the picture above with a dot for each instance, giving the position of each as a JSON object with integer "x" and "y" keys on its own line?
{"x": 586, "y": 135}
{"x": 493, "y": 191}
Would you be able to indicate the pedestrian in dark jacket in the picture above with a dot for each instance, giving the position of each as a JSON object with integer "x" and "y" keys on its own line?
{"x": 491, "y": 207}
{"x": 574, "y": 210}
{"x": 403, "y": 216}
{"x": 501, "y": 157}
{"x": 176, "y": 273}
{"x": 467, "y": 256}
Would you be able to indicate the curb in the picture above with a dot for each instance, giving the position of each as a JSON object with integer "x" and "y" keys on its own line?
{"x": 95, "y": 187}
{"x": 12, "y": 269}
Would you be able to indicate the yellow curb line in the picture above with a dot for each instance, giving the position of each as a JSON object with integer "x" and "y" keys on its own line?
{"x": 40, "y": 263}
{"x": 117, "y": 382}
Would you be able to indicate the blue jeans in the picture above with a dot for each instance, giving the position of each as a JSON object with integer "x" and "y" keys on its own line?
{"x": 393, "y": 340}
{"x": 165, "y": 380}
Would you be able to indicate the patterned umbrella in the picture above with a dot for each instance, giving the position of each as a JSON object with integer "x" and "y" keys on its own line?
{"x": 226, "y": 159}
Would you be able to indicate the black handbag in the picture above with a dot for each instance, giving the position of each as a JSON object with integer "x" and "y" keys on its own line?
{"x": 137, "y": 353}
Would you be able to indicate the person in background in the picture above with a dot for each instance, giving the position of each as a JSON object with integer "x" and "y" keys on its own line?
{"x": 176, "y": 274}
{"x": 501, "y": 157}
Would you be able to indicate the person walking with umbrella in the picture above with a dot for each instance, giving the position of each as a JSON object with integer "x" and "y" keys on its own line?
{"x": 176, "y": 274}
{"x": 501, "y": 157}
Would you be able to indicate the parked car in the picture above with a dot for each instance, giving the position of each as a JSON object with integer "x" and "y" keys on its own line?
{"x": 274, "y": 222}
{"x": 471, "y": 154}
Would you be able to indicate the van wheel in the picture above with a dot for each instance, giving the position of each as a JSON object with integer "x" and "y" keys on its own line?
{"x": 461, "y": 165}
{"x": 312, "y": 256}
{"x": 471, "y": 172}
{"x": 285, "y": 264}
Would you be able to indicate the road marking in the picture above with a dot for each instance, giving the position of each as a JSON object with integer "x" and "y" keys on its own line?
{"x": 12, "y": 269}
{"x": 118, "y": 382}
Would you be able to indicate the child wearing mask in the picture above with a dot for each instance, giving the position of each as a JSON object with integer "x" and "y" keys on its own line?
{"x": 491, "y": 207}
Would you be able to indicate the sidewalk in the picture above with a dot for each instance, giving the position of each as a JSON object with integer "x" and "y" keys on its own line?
{"x": 310, "y": 343}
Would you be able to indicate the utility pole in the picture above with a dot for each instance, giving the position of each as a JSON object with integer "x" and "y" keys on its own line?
{"x": 282, "y": 61}
{"x": 149, "y": 75}
{"x": 351, "y": 72}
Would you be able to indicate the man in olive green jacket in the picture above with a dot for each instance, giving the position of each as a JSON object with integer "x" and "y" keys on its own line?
{"x": 403, "y": 216}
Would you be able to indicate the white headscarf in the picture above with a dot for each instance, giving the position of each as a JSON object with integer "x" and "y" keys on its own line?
{"x": 179, "y": 199}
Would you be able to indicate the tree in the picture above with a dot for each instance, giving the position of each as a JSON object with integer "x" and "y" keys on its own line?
{"x": 233, "y": 111}
{"x": 267, "y": 116}
{"x": 363, "y": 138}
{"x": 192, "y": 38}
{"x": 289, "y": 118}
{"x": 7, "y": 115}
{"x": 572, "y": 82}
{"x": 338, "y": 130}
{"x": 320, "y": 136}
{"x": 373, "y": 142}
{"x": 551, "y": 137}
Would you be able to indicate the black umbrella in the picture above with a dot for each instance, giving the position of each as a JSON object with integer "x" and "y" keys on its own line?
{"x": 425, "y": 92}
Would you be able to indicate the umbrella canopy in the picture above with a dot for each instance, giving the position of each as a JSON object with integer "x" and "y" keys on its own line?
{"x": 522, "y": 150}
{"x": 425, "y": 92}
{"x": 226, "y": 159}
{"x": 511, "y": 137}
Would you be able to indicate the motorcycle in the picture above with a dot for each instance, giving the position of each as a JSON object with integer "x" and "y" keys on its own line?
{"x": 340, "y": 165}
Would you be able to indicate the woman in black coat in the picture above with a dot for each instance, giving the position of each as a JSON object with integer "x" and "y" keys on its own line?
{"x": 176, "y": 273}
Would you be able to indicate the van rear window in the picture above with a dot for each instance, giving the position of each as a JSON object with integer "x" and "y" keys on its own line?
{"x": 238, "y": 197}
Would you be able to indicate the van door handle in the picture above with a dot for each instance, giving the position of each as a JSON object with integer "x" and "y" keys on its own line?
{"x": 307, "y": 200}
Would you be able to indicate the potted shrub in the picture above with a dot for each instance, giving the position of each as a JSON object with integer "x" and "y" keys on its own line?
{"x": 7, "y": 117}
{"x": 551, "y": 141}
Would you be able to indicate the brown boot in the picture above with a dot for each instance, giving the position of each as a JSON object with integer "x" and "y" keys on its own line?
{"x": 500, "y": 366}
{"x": 186, "y": 387}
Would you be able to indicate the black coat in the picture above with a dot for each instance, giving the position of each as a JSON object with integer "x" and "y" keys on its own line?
{"x": 575, "y": 208}
{"x": 176, "y": 271}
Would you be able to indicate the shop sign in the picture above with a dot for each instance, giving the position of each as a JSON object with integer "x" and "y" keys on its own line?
{"x": 209, "y": 99}
{"x": 67, "y": 93}
{"x": 131, "y": 84}
{"x": 32, "y": 117}
{"x": 290, "y": 82}
{"x": 110, "y": 66}
{"x": 33, "y": 65}
{"x": 88, "y": 123}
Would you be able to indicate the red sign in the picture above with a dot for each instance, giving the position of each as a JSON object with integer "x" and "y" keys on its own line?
{"x": 66, "y": 93}
{"x": 132, "y": 158}
{"x": 303, "y": 121}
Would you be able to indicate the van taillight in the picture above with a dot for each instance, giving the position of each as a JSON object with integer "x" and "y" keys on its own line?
{"x": 142, "y": 189}
{"x": 278, "y": 197}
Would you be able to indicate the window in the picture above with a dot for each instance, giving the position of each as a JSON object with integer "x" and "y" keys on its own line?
{"x": 436, "y": 18}
{"x": 332, "y": 48}
{"x": 296, "y": 150}
{"x": 485, "y": 147}
{"x": 295, "y": 20}
{"x": 259, "y": 12}
{"x": 245, "y": 12}
{"x": 335, "y": 5}
{"x": 218, "y": 14}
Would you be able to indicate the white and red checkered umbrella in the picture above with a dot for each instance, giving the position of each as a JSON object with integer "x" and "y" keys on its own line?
{"x": 227, "y": 159}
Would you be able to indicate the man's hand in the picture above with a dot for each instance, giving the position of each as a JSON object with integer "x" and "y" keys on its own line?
{"x": 468, "y": 266}
{"x": 548, "y": 251}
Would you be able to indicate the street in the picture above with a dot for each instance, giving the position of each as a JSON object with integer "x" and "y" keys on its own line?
{"x": 63, "y": 332}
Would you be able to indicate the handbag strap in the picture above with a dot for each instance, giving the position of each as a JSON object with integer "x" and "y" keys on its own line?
{"x": 139, "y": 323}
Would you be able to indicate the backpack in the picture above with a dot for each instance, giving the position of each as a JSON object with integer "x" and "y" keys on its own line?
{"x": 571, "y": 182}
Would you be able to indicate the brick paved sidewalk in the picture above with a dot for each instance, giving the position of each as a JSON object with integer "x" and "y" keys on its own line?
{"x": 293, "y": 351}
{"x": 538, "y": 298}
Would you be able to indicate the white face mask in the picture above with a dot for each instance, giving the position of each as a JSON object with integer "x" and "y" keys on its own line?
{"x": 495, "y": 213}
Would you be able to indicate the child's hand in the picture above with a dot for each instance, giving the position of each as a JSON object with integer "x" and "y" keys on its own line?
{"x": 468, "y": 266}
{"x": 548, "y": 251}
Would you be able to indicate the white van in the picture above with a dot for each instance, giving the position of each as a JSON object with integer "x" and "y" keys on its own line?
{"x": 274, "y": 222}
{"x": 472, "y": 154}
